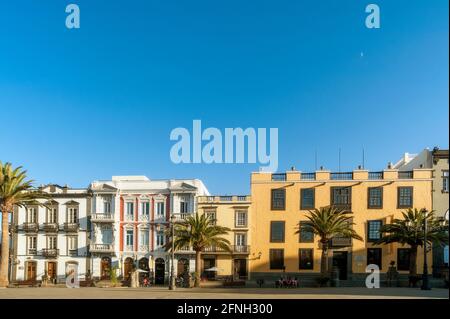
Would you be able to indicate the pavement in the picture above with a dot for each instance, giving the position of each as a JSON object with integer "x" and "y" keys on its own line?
{"x": 222, "y": 293}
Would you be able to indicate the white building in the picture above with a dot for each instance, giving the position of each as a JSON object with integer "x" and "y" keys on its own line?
{"x": 51, "y": 235}
{"x": 129, "y": 217}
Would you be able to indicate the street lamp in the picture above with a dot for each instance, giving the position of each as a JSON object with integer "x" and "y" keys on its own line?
{"x": 172, "y": 270}
{"x": 425, "y": 282}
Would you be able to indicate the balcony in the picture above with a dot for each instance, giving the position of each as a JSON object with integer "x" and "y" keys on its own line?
{"x": 279, "y": 177}
{"x": 50, "y": 252}
{"x": 101, "y": 248}
{"x": 50, "y": 227}
{"x": 375, "y": 175}
{"x": 32, "y": 251}
{"x": 71, "y": 227}
{"x": 144, "y": 218}
{"x": 241, "y": 249}
{"x": 129, "y": 248}
{"x": 341, "y": 176}
{"x": 308, "y": 176}
{"x": 405, "y": 174}
{"x": 144, "y": 248}
{"x": 340, "y": 242}
{"x": 182, "y": 216}
{"x": 73, "y": 252}
{"x": 102, "y": 218}
{"x": 213, "y": 249}
{"x": 226, "y": 199}
{"x": 30, "y": 227}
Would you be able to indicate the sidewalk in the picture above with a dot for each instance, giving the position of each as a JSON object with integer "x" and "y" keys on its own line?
{"x": 222, "y": 293}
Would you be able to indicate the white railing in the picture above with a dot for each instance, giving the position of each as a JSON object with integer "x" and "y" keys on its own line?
{"x": 101, "y": 248}
{"x": 102, "y": 218}
{"x": 143, "y": 248}
{"x": 144, "y": 218}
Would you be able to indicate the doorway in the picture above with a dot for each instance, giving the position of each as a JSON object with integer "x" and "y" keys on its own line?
{"x": 105, "y": 268}
{"x": 207, "y": 264}
{"x": 127, "y": 268}
{"x": 240, "y": 268}
{"x": 143, "y": 265}
{"x": 31, "y": 270}
{"x": 340, "y": 262}
{"x": 160, "y": 267}
{"x": 51, "y": 271}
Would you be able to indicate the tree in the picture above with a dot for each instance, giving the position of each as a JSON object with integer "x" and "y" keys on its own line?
{"x": 15, "y": 191}
{"x": 327, "y": 223}
{"x": 199, "y": 232}
{"x": 409, "y": 231}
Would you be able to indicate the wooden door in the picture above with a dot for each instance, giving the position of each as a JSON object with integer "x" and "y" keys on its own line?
{"x": 31, "y": 270}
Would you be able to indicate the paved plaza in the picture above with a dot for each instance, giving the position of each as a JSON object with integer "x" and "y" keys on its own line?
{"x": 221, "y": 293}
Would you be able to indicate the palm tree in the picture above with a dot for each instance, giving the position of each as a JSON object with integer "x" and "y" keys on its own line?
{"x": 199, "y": 232}
{"x": 409, "y": 231}
{"x": 15, "y": 191}
{"x": 327, "y": 223}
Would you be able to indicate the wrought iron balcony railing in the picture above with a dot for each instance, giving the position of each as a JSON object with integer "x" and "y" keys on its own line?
{"x": 405, "y": 174}
{"x": 71, "y": 227}
{"x": 50, "y": 227}
{"x": 30, "y": 227}
{"x": 50, "y": 252}
{"x": 341, "y": 176}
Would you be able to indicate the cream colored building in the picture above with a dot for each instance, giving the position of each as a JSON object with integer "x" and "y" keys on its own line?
{"x": 232, "y": 212}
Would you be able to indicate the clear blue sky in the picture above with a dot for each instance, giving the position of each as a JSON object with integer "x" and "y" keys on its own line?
{"x": 80, "y": 105}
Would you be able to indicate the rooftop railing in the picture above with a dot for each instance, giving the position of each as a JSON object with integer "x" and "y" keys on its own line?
{"x": 341, "y": 176}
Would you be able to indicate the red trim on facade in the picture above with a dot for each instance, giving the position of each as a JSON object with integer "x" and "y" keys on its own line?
{"x": 121, "y": 226}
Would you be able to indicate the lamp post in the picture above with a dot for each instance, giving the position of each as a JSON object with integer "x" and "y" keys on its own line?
{"x": 172, "y": 269}
{"x": 425, "y": 282}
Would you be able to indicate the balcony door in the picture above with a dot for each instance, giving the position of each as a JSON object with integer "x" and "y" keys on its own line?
{"x": 51, "y": 270}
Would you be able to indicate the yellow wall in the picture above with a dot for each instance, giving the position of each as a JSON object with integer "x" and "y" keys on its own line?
{"x": 262, "y": 215}
{"x": 225, "y": 216}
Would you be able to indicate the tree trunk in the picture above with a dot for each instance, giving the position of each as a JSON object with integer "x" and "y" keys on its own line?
{"x": 198, "y": 261}
{"x": 324, "y": 259}
{"x": 413, "y": 261}
{"x": 4, "y": 258}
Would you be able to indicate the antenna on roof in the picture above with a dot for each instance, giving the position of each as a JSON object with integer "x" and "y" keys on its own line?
{"x": 315, "y": 160}
{"x": 363, "y": 158}
{"x": 339, "y": 160}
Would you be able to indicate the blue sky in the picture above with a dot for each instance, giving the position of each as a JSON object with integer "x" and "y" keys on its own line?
{"x": 86, "y": 104}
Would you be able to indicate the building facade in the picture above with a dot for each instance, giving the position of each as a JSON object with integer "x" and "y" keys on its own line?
{"x": 232, "y": 212}
{"x": 130, "y": 219}
{"x": 50, "y": 237}
{"x": 437, "y": 160}
{"x": 280, "y": 203}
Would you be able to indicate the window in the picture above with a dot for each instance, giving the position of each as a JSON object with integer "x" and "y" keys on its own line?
{"x": 404, "y": 197}
{"x": 144, "y": 237}
{"x": 278, "y": 199}
{"x": 375, "y": 197}
{"x": 277, "y": 232}
{"x": 72, "y": 245}
{"x": 52, "y": 214}
{"x": 445, "y": 181}
{"x": 307, "y": 198}
{"x": 32, "y": 245}
{"x": 212, "y": 216}
{"x": 145, "y": 208}
{"x": 160, "y": 209}
{"x": 130, "y": 208}
{"x": 106, "y": 207}
{"x": 129, "y": 237}
{"x": 51, "y": 242}
{"x": 32, "y": 215}
{"x": 374, "y": 256}
{"x": 276, "y": 258}
{"x": 72, "y": 216}
{"x": 373, "y": 230}
{"x": 306, "y": 259}
{"x": 184, "y": 207}
{"x": 240, "y": 239}
{"x": 159, "y": 238}
{"x": 403, "y": 257}
{"x": 241, "y": 218}
{"x": 306, "y": 233}
{"x": 341, "y": 197}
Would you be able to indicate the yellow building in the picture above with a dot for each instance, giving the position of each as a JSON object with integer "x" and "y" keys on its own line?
{"x": 281, "y": 201}
{"x": 232, "y": 212}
